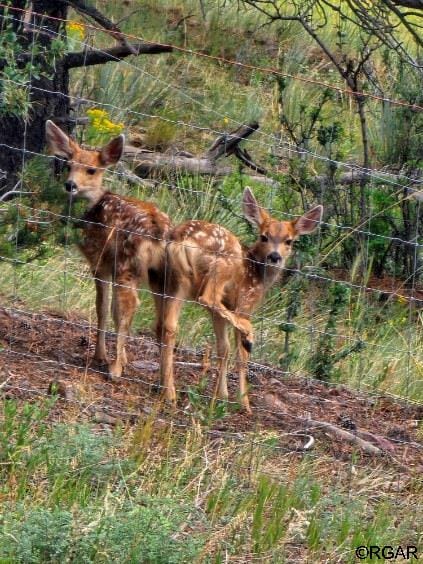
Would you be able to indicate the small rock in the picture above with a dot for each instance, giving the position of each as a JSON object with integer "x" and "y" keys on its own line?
{"x": 275, "y": 381}
{"x": 274, "y": 403}
{"x": 83, "y": 341}
{"x": 101, "y": 417}
{"x": 146, "y": 365}
{"x": 347, "y": 423}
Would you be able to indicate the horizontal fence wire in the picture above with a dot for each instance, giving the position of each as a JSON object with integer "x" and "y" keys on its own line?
{"x": 300, "y": 375}
{"x": 292, "y": 147}
{"x": 130, "y": 177}
{"x": 266, "y": 70}
{"x": 181, "y": 391}
{"x": 303, "y": 272}
{"x": 241, "y": 437}
{"x": 374, "y": 174}
{"x": 254, "y": 364}
{"x": 115, "y": 284}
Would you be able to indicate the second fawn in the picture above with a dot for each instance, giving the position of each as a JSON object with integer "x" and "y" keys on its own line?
{"x": 123, "y": 237}
{"x": 207, "y": 263}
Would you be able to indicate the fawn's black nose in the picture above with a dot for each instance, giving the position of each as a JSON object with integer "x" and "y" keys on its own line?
{"x": 71, "y": 187}
{"x": 274, "y": 257}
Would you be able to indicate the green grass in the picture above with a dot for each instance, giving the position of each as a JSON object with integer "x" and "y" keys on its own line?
{"x": 155, "y": 494}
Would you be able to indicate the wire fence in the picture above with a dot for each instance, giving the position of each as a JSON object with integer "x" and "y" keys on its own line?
{"x": 273, "y": 141}
{"x": 201, "y": 54}
{"x": 407, "y": 342}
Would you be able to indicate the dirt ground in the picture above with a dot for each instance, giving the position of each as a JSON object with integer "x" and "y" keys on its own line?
{"x": 37, "y": 349}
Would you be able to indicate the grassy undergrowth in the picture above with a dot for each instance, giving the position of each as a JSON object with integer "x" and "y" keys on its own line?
{"x": 73, "y": 493}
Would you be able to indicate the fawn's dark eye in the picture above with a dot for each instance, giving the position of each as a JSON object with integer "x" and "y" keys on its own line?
{"x": 264, "y": 238}
{"x": 91, "y": 171}
{"x": 288, "y": 242}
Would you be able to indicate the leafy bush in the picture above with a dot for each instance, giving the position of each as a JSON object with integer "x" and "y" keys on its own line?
{"x": 144, "y": 531}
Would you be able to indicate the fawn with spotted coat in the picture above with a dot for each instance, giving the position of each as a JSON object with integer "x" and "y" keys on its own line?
{"x": 124, "y": 238}
{"x": 207, "y": 263}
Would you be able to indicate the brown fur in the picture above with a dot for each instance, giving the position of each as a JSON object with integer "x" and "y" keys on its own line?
{"x": 124, "y": 238}
{"x": 205, "y": 262}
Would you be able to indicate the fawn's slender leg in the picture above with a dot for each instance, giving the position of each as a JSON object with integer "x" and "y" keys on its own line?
{"x": 159, "y": 307}
{"x": 114, "y": 314}
{"x": 212, "y": 296}
{"x": 171, "y": 311}
{"x": 102, "y": 308}
{"x": 125, "y": 302}
{"x": 157, "y": 284}
{"x": 222, "y": 348}
{"x": 242, "y": 368}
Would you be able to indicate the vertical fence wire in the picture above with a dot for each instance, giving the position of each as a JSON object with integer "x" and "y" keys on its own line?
{"x": 20, "y": 184}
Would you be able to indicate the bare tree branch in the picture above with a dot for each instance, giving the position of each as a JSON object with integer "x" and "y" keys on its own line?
{"x": 415, "y": 4}
{"x": 91, "y": 11}
{"x": 97, "y": 57}
{"x": 94, "y": 56}
{"x": 227, "y": 143}
{"x": 148, "y": 163}
{"x": 402, "y": 17}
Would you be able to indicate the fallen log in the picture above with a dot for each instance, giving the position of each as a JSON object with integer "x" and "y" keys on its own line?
{"x": 156, "y": 164}
{"x": 148, "y": 163}
{"x": 276, "y": 405}
{"x": 344, "y": 435}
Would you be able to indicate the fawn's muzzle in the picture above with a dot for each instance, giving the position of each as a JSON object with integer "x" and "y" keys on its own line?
{"x": 274, "y": 257}
{"x": 71, "y": 187}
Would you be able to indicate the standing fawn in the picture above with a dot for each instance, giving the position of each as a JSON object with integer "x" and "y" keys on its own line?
{"x": 123, "y": 237}
{"x": 206, "y": 263}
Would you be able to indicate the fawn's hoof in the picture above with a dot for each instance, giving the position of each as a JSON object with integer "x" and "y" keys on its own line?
{"x": 113, "y": 373}
{"x": 156, "y": 388}
{"x": 245, "y": 405}
{"x": 108, "y": 377}
{"x": 247, "y": 343}
{"x": 247, "y": 335}
{"x": 169, "y": 396}
{"x": 101, "y": 365}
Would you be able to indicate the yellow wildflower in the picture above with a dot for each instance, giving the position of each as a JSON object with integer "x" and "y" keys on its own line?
{"x": 97, "y": 113}
{"x": 75, "y": 29}
{"x": 101, "y": 126}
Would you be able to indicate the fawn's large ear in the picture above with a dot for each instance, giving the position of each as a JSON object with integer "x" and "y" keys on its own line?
{"x": 111, "y": 153}
{"x": 58, "y": 142}
{"x": 308, "y": 222}
{"x": 252, "y": 211}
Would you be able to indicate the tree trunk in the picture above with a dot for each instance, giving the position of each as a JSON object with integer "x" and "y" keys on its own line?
{"x": 408, "y": 257}
{"x": 18, "y": 135}
{"x": 366, "y": 156}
